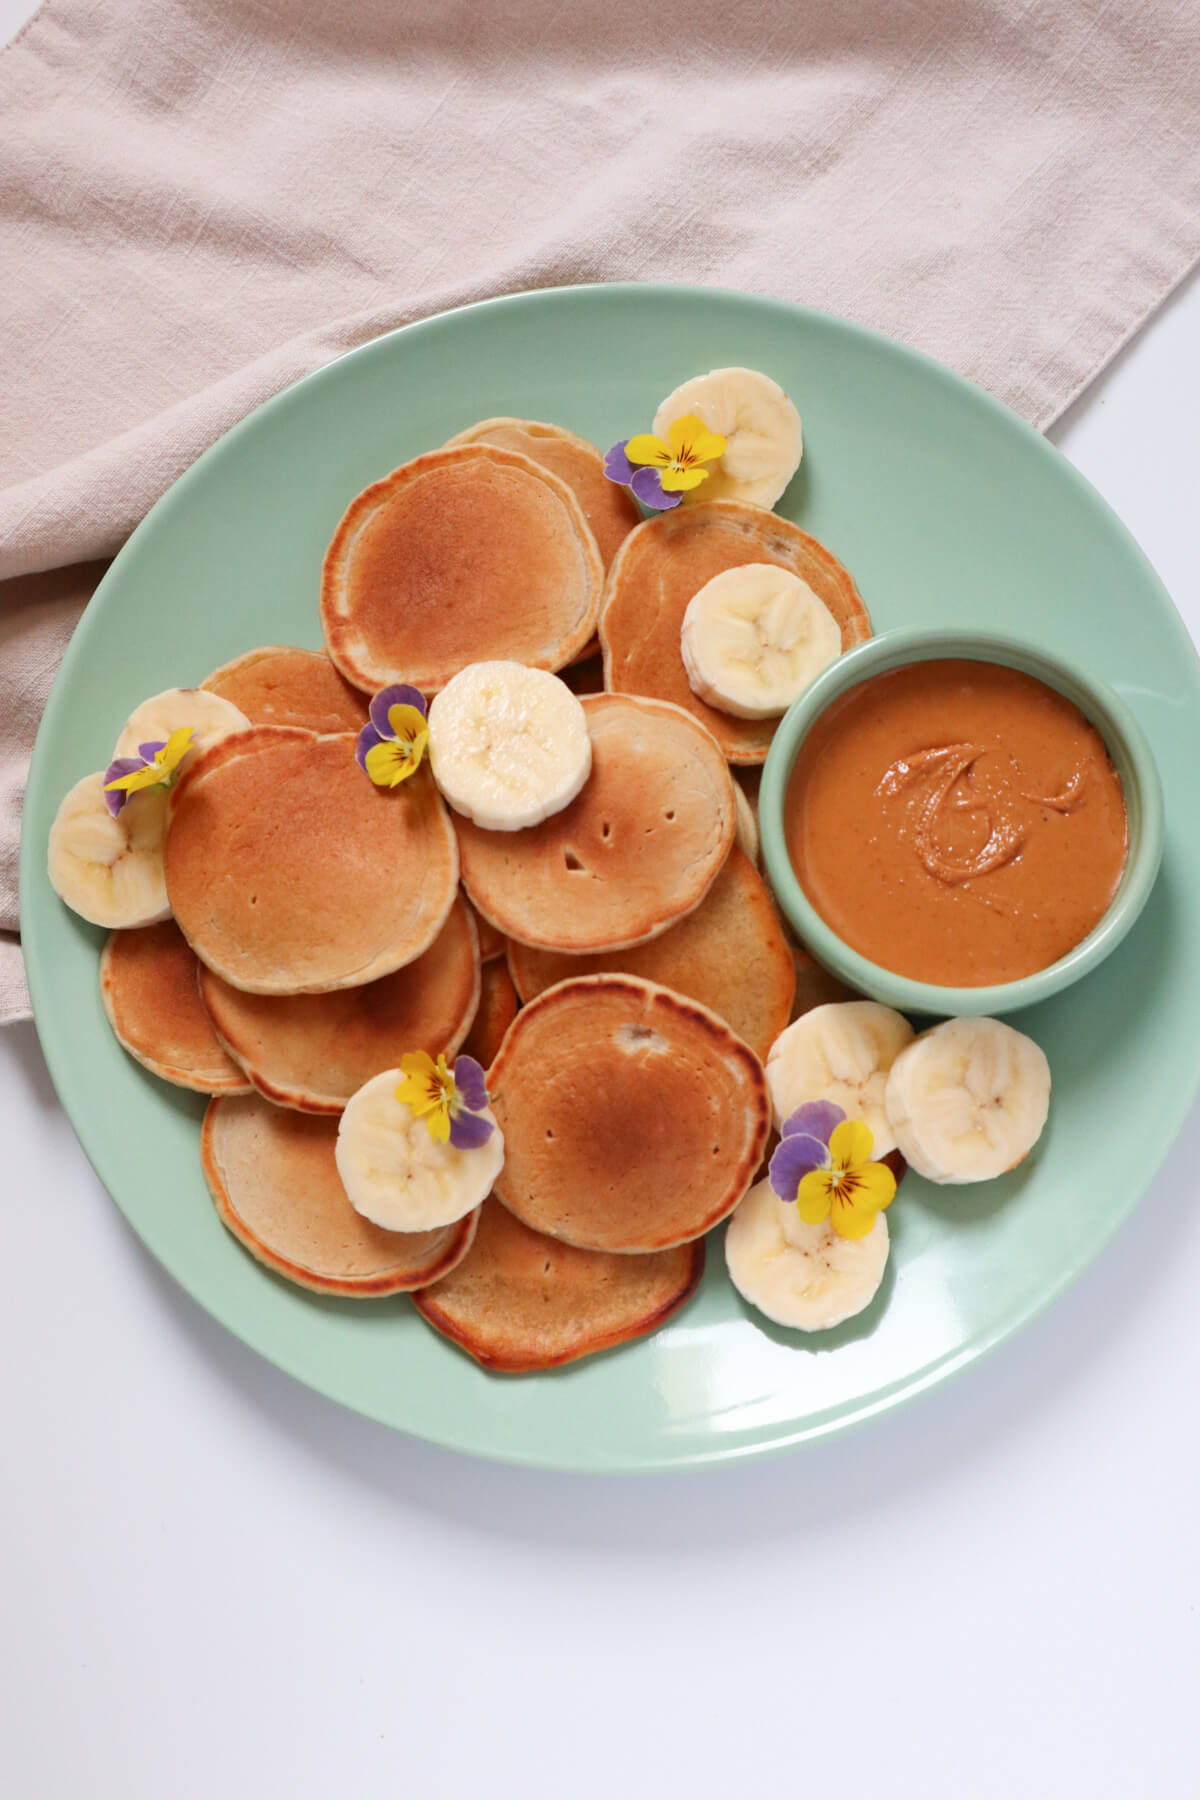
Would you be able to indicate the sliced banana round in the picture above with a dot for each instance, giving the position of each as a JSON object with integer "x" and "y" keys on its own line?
{"x": 840, "y": 1052}
{"x": 509, "y": 745}
{"x": 968, "y": 1100}
{"x": 110, "y": 871}
{"x": 803, "y": 1276}
{"x": 396, "y": 1175}
{"x": 754, "y": 637}
{"x": 210, "y": 717}
{"x": 761, "y": 428}
{"x": 745, "y": 824}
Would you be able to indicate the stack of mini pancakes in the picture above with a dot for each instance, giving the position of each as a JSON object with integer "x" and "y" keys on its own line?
{"x": 619, "y": 969}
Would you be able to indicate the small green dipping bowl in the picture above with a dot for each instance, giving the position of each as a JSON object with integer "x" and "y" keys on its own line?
{"x": 1127, "y": 746}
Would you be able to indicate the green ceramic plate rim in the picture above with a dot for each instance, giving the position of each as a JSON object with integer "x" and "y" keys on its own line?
{"x": 1126, "y": 742}
{"x": 774, "y": 1441}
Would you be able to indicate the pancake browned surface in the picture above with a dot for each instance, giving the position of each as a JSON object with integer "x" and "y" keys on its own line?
{"x": 290, "y": 872}
{"x": 610, "y": 510}
{"x": 730, "y": 954}
{"x": 275, "y": 1184}
{"x": 467, "y": 555}
{"x": 637, "y": 849}
{"x": 280, "y": 685}
{"x": 492, "y": 943}
{"x": 633, "y": 1119}
{"x": 520, "y": 1301}
{"x": 148, "y": 982}
{"x": 667, "y": 560}
{"x": 497, "y": 1010}
{"x": 313, "y": 1051}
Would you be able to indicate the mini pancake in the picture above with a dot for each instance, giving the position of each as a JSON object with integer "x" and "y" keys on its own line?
{"x": 520, "y": 1301}
{"x": 148, "y": 983}
{"x": 668, "y": 559}
{"x": 637, "y": 849}
{"x": 289, "y": 872}
{"x": 280, "y": 685}
{"x": 466, "y": 555}
{"x": 497, "y": 1010}
{"x": 313, "y": 1051}
{"x": 275, "y": 1186}
{"x": 815, "y": 986}
{"x": 610, "y": 510}
{"x": 492, "y": 943}
{"x": 730, "y": 954}
{"x": 633, "y": 1119}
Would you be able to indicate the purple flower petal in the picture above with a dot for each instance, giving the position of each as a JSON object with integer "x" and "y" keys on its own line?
{"x": 469, "y": 1130}
{"x": 617, "y": 465}
{"x": 816, "y": 1118}
{"x": 368, "y": 738}
{"x": 397, "y": 695}
{"x": 148, "y": 752}
{"x": 124, "y": 765}
{"x": 794, "y": 1158}
{"x": 647, "y": 486}
{"x": 470, "y": 1082}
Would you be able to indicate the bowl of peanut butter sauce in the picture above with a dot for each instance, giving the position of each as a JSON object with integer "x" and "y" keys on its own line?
{"x": 958, "y": 823}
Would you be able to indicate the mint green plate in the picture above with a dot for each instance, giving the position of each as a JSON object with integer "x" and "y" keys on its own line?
{"x": 948, "y": 510}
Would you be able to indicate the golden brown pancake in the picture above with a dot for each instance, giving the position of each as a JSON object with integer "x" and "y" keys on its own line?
{"x": 275, "y": 1185}
{"x": 148, "y": 983}
{"x": 465, "y": 555}
{"x": 611, "y": 511}
{"x": 313, "y": 1051}
{"x": 497, "y": 1010}
{"x": 729, "y": 954}
{"x": 492, "y": 943}
{"x": 637, "y": 849}
{"x": 520, "y": 1301}
{"x": 815, "y": 986}
{"x": 633, "y": 1119}
{"x": 289, "y": 872}
{"x": 280, "y": 685}
{"x": 667, "y": 560}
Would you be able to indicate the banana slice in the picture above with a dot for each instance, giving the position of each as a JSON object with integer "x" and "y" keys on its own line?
{"x": 840, "y": 1052}
{"x": 509, "y": 745}
{"x": 803, "y": 1276}
{"x": 754, "y": 637}
{"x": 393, "y": 1172}
{"x": 209, "y": 716}
{"x": 968, "y": 1100}
{"x": 745, "y": 825}
{"x": 110, "y": 871}
{"x": 761, "y": 428}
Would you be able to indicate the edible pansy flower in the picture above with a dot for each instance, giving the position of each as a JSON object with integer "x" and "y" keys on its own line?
{"x": 451, "y": 1101}
{"x": 155, "y": 765}
{"x": 823, "y": 1164}
{"x": 392, "y": 743}
{"x": 659, "y": 473}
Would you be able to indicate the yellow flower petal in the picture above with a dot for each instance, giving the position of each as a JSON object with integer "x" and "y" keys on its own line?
{"x": 707, "y": 446}
{"x": 411, "y": 728}
{"x": 851, "y": 1143}
{"x": 874, "y": 1186}
{"x": 645, "y": 448}
{"x": 388, "y": 764}
{"x": 850, "y": 1220}
{"x": 438, "y": 1123}
{"x": 684, "y": 433}
{"x": 814, "y": 1195}
{"x": 677, "y": 480}
{"x": 174, "y": 750}
{"x": 148, "y": 777}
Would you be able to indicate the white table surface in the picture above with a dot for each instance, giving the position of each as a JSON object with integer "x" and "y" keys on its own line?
{"x": 218, "y": 1583}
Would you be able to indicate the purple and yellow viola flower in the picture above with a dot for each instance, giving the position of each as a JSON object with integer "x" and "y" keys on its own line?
{"x": 823, "y": 1164}
{"x": 451, "y": 1101}
{"x": 392, "y": 744}
{"x": 155, "y": 765}
{"x": 658, "y": 473}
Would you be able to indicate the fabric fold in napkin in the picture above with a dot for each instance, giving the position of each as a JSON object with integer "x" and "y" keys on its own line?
{"x": 200, "y": 200}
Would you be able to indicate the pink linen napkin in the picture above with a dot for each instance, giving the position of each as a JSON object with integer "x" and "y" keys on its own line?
{"x": 202, "y": 199}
